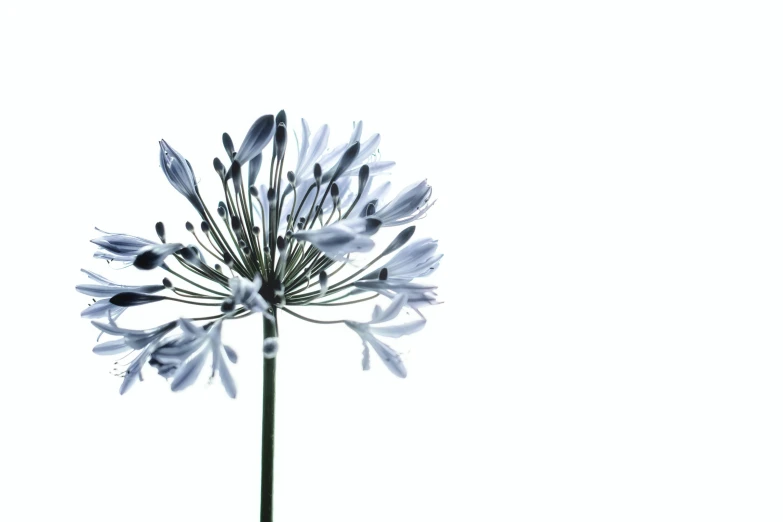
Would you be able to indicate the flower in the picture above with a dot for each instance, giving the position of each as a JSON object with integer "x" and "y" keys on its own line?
{"x": 370, "y": 330}
{"x": 277, "y": 243}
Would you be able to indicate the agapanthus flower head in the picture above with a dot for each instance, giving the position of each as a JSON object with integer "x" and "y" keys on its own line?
{"x": 303, "y": 234}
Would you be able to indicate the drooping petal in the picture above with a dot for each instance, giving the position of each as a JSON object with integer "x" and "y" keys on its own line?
{"x": 114, "y": 347}
{"x": 189, "y": 371}
{"x": 390, "y": 358}
{"x": 391, "y": 311}
{"x": 399, "y": 330}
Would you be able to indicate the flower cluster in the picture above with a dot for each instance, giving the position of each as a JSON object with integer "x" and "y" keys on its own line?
{"x": 300, "y": 237}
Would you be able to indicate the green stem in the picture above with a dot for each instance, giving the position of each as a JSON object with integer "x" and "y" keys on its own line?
{"x": 268, "y": 424}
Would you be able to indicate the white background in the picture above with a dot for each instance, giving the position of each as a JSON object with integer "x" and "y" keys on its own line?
{"x": 608, "y": 177}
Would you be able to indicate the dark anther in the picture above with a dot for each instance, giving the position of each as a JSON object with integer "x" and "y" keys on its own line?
{"x": 236, "y": 224}
{"x": 254, "y": 192}
{"x": 204, "y": 227}
{"x": 384, "y": 275}
{"x": 291, "y": 177}
{"x": 227, "y": 306}
{"x": 167, "y": 282}
{"x": 189, "y": 226}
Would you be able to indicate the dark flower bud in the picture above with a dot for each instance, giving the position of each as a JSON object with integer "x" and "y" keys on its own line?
{"x": 317, "y": 173}
{"x": 227, "y": 306}
{"x": 335, "y": 191}
{"x": 281, "y": 118}
{"x": 281, "y": 138}
{"x": 167, "y": 282}
{"x": 400, "y": 240}
{"x": 364, "y": 175}
{"x": 254, "y": 192}
{"x": 219, "y": 168}
{"x": 256, "y": 230}
{"x": 161, "y": 231}
{"x": 228, "y": 145}
{"x": 134, "y": 299}
{"x": 189, "y": 226}
{"x": 236, "y": 176}
{"x": 291, "y": 177}
{"x": 221, "y": 210}
{"x": 236, "y": 224}
{"x": 281, "y": 242}
{"x": 204, "y": 227}
{"x": 218, "y": 268}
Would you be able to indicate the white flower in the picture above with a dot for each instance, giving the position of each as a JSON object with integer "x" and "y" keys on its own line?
{"x": 409, "y": 205}
{"x": 293, "y": 241}
{"x": 370, "y": 330}
{"x": 338, "y": 240}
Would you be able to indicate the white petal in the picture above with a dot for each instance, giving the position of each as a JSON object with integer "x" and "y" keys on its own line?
{"x": 389, "y": 357}
{"x": 393, "y": 310}
{"x": 396, "y": 331}
{"x": 111, "y": 347}
{"x": 189, "y": 371}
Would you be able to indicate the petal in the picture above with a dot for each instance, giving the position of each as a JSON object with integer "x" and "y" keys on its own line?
{"x": 189, "y": 371}
{"x": 389, "y": 357}
{"x": 393, "y": 310}
{"x": 227, "y": 379}
{"x": 111, "y": 347}
{"x": 399, "y": 330}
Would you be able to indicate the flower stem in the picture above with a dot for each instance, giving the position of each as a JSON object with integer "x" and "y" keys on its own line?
{"x": 268, "y": 424}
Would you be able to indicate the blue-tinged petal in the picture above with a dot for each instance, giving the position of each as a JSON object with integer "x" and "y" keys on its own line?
{"x": 227, "y": 379}
{"x": 189, "y": 371}
{"x": 111, "y": 347}
{"x": 399, "y": 330}
{"x": 319, "y": 142}
{"x": 391, "y": 311}
{"x": 253, "y": 169}
{"x": 365, "y": 357}
{"x": 389, "y": 357}
{"x": 102, "y": 309}
{"x": 113, "y": 289}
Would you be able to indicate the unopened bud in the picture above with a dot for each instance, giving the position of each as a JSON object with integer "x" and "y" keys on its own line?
{"x": 161, "y": 231}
